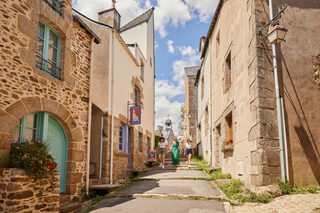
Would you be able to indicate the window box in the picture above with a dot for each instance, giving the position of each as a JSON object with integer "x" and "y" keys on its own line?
{"x": 55, "y": 5}
{"x": 227, "y": 146}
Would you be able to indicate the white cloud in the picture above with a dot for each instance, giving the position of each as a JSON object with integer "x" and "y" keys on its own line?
{"x": 164, "y": 88}
{"x": 204, "y": 8}
{"x": 174, "y": 12}
{"x": 170, "y": 46}
{"x": 165, "y": 107}
{"x": 190, "y": 57}
{"x": 128, "y": 9}
{"x": 166, "y": 91}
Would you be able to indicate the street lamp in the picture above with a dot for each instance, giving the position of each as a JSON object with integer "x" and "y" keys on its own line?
{"x": 277, "y": 34}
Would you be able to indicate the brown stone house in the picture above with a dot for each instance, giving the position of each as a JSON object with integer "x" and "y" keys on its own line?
{"x": 244, "y": 113}
{"x": 123, "y": 76}
{"x": 45, "y": 58}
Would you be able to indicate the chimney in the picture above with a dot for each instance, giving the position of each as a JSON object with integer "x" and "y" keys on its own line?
{"x": 111, "y": 17}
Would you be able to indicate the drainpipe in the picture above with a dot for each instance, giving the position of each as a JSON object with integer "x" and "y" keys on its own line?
{"x": 112, "y": 113}
{"x": 278, "y": 100}
{"x": 285, "y": 140}
{"x": 89, "y": 118}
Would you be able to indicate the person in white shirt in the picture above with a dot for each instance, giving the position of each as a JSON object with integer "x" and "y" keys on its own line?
{"x": 162, "y": 151}
{"x": 189, "y": 151}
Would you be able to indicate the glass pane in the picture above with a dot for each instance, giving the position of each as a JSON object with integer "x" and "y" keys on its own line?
{"x": 30, "y": 134}
{"x": 40, "y": 46}
{"x": 52, "y": 54}
{"x": 53, "y": 39}
{"x": 41, "y": 30}
{"x": 31, "y": 121}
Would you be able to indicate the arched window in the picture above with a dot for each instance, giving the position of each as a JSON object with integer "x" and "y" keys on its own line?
{"x": 48, "y": 50}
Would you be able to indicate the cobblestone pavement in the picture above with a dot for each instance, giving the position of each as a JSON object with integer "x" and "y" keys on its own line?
{"x": 302, "y": 203}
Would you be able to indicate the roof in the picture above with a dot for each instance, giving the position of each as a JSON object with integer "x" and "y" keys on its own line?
{"x": 87, "y": 28}
{"x": 211, "y": 28}
{"x": 140, "y": 19}
{"x": 191, "y": 71}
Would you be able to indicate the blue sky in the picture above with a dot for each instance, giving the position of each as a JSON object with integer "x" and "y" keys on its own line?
{"x": 179, "y": 24}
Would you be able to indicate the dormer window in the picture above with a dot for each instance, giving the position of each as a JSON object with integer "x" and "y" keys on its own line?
{"x": 48, "y": 51}
{"x": 55, "y": 5}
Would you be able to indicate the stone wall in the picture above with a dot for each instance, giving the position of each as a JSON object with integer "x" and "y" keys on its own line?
{"x": 316, "y": 66}
{"x": 265, "y": 158}
{"x": 25, "y": 89}
{"x": 19, "y": 193}
{"x": 120, "y": 159}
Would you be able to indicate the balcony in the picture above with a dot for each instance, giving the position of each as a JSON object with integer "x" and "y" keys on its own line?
{"x": 55, "y": 5}
{"x": 48, "y": 67}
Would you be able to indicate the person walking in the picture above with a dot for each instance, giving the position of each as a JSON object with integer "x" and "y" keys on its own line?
{"x": 162, "y": 151}
{"x": 189, "y": 151}
{"x": 174, "y": 149}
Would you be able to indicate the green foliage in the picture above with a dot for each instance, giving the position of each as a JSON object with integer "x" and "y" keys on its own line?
{"x": 33, "y": 157}
{"x": 156, "y": 140}
{"x": 231, "y": 188}
{"x": 203, "y": 166}
{"x": 97, "y": 199}
{"x": 217, "y": 174}
{"x": 252, "y": 198}
{"x": 287, "y": 188}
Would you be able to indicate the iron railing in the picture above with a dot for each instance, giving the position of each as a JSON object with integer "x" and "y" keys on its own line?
{"x": 48, "y": 67}
{"x": 55, "y": 5}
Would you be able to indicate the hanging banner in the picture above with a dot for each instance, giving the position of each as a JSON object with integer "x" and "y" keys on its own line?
{"x": 135, "y": 115}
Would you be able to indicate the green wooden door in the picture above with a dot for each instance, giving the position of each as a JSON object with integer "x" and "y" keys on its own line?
{"x": 57, "y": 142}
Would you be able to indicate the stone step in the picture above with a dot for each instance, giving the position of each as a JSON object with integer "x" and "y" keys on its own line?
{"x": 70, "y": 208}
{"x": 105, "y": 187}
{"x": 94, "y": 181}
{"x": 65, "y": 199}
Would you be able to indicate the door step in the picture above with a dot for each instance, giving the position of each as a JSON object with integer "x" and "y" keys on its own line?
{"x": 70, "y": 208}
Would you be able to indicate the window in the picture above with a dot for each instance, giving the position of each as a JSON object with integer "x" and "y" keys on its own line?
{"x": 140, "y": 142}
{"x": 120, "y": 137}
{"x": 202, "y": 87}
{"x": 218, "y": 44}
{"x": 55, "y": 5}
{"x": 227, "y": 73}
{"x": 30, "y": 127}
{"x": 48, "y": 51}
{"x": 136, "y": 95}
{"x": 142, "y": 70}
{"x": 230, "y": 133}
{"x": 123, "y": 138}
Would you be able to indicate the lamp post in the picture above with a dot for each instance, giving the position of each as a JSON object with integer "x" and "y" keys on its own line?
{"x": 276, "y": 35}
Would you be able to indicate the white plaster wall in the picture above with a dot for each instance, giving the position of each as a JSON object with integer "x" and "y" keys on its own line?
{"x": 137, "y": 34}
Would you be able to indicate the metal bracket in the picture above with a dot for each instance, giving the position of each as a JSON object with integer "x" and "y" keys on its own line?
{"x": 275, "y": 19}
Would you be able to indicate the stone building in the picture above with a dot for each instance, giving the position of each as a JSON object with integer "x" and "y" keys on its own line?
{"x": 191, "y": 107}
{"x": 244, "y": 112}
{"x": 123, "y": 76}
{"x": 203, "y": 83}
{"x": 45, "y": 56}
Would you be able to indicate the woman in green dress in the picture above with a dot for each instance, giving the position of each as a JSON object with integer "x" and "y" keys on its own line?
{"x": 175, "y": 152}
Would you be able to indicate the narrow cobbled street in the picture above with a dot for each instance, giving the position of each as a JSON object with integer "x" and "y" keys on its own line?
{"x": 170, "y": 190}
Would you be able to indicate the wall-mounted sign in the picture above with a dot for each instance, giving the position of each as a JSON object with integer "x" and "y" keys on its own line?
{"x": 152, "y": 155}
{"x": 135, "y": 115}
